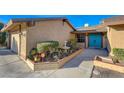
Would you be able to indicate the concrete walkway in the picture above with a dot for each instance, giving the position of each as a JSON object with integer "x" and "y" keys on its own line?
{"x": 78, "y": 67}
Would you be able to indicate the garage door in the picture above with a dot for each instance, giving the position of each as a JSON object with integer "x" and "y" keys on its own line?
{"x": 95, "y": 41}
{"x": 15, "y": 42}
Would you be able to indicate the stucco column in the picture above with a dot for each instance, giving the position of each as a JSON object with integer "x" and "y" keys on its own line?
{"x": 19, "y": 53}
{"x": 103, "y": 40}
{"x": 86, "y": 40}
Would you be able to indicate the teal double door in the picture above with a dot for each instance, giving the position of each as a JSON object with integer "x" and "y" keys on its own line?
{"x": 95, "y": 40}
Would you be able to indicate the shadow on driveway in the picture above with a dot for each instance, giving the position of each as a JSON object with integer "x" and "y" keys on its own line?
{"x": 5, "y": 51}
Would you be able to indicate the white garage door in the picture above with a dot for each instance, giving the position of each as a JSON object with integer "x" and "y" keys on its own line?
{"x": 15, "y": 42}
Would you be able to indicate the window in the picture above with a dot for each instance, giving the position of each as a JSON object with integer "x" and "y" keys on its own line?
{"x": 80, "y": 38}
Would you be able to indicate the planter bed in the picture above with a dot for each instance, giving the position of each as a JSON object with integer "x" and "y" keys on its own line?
{"x": 51, "y": 65}
{"x": 108, "y": 64}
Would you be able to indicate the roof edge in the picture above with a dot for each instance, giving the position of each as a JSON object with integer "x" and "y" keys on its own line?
{"x": 20, "y": 20}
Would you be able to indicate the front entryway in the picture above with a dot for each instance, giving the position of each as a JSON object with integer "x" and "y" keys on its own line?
{"x": 95, "y": 41}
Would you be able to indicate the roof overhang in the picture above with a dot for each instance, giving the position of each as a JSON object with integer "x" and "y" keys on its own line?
{"x": 94, "y": 29}
{"x": 66, "y": 20}
{"x": 116, "y": 20}
{"x": 83, "y": 32}
{"x": 10, "y": 25}
{"x": 14, "y": 22}
{"x": 114, "y": 23}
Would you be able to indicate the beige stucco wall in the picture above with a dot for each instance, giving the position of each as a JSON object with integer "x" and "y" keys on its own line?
{"x": 72, "y": 36}
{"x": 23, "y": 43}
{"x": 81, "y": 45}
{"x": 104, "y": 41}
{"x": 108, "y": 40}
{"x": 115, "y": 37}
{"x": 21, "y": 39}
{"x": 48, "y": 30}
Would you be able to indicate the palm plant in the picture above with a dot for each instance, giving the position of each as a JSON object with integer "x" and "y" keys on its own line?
{"x": 49, "y": 48}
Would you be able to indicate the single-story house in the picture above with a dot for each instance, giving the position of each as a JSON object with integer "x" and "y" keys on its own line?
{"x": 24, "y": 34}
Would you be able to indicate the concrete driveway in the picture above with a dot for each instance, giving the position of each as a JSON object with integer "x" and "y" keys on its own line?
{"x": 81, "y": 66}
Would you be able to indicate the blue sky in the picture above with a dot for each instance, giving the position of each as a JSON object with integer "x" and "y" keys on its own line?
{"x": 76, "y": 20}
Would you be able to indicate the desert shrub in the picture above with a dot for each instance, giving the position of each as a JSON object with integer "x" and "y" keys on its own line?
{"x": 72, "y": 43}
{"x": 47, "y": 46}
{"x": 118, "y": 53}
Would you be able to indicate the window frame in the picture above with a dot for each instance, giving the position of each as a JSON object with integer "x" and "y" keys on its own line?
{"x": 80, "y": 38}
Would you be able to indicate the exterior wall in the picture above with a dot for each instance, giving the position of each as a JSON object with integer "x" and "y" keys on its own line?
{"x": 72, "y": 36}
{"x": 48, "y": 30}
{"x": 104, "y": 41}
{"x": 81, "y": 45}
{"x": 21, "y": 41}
{"x": 115, "y": 37}
{"x": 108, "y": 41}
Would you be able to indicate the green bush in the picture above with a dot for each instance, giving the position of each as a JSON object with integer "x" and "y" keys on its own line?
{"x": 47, "y": 46}
{"x": 118, "y": 53}
{"x": 32, "y": 53}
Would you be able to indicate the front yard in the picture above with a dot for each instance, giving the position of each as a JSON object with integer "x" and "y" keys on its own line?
{"x": 79, "y": 67}
{"x": 51, "y": 55}
{"x": 36, "y": 66}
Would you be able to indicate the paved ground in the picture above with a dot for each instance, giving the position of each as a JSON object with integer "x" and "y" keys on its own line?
{"x": 106, "y": 73}
{"x": 79, "y": 67}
